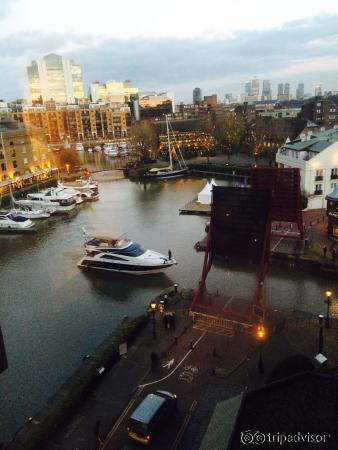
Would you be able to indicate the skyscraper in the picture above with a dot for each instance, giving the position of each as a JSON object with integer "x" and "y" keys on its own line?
{"x": 319, "y": 90}
{"x": 300, "y": 91}
{"x": 266, "y": 91}
{"x": 255, "y": 87}
{"x": 197, "y": 95}
{"x": 55, "y": 78}
{"x": 283, "y": 91}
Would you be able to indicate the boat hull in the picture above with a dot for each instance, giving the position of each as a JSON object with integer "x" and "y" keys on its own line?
{"x": 129, "y": 269}
{"x": 167, "y": 176}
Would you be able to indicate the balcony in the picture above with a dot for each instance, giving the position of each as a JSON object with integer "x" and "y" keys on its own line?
{"x": 318, "y": 192}
{"x": 319, "y": 178}
{"x": 334, "y": 176}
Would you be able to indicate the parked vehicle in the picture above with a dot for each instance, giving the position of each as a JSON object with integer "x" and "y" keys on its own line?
{"x": 151, "y": 412}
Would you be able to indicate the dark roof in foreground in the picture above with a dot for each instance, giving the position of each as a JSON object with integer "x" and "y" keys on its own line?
{"x": 303, "y": 407}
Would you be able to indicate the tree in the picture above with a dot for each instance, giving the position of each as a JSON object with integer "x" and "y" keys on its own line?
{"x": 144, "y": 139}
{"x": 228, "y": 133}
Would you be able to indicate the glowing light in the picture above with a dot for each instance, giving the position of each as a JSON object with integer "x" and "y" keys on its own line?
{"x": 261, "y": 332}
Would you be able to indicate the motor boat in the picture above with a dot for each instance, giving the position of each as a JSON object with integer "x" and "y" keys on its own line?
{"x": 97, "y": 148}
{"x": 87, "y": 188}
{"x": 70, "y": 191}
{"x": 117, "y": 254}
{"x": 111, "y": 151}
{"x": 15, "y": 223}
{"x": 60, "y": 201}
{"x": 32, "y": 213}
{"x": 79, "y": 147}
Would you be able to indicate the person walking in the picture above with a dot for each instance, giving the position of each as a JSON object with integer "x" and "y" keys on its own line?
{"x": 169, "y": 254}
{"x": 97, "y": 433}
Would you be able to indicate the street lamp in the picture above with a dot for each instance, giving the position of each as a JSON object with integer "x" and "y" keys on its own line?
{"x": 153, "y": 312}
{"x": 261, "y": 334}
{"x": 67, "y": 168}
{"x": 328, "y": 303}
{"x": 321, "y": 337}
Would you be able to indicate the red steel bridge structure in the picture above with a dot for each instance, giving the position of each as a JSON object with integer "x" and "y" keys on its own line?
{"x": 240, "y": 231}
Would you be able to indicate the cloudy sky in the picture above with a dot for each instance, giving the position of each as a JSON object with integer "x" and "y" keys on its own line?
{"x": 175, "y": 45}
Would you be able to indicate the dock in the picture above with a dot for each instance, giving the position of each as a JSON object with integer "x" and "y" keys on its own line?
{"x": 194, "y": 207}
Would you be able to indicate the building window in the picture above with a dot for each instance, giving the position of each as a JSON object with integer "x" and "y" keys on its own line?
{"x": 2, "y": 156}
{"x": 319, "y": 175}
{"x": 25, "y": 161}
{"x": 11, "y": 143}
{"x": 334, "y": 174}
{"x": 13, "y": 154}
{"x": 318, "y": 189}
{"x": 3, "y": 166}
{"x": 333, "y": 185}
{"x": 23, "y": 149}
{"x": 15, "y": 164}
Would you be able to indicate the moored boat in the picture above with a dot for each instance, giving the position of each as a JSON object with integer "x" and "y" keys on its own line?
{"x": 117, "y": 254}
{"x": 11, "y": 222}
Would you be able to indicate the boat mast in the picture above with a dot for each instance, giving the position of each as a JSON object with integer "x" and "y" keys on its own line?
{"x": 170, "y": 156}
{"x": 6, "y": 162}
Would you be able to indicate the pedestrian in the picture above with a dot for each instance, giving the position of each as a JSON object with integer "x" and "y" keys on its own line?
{"x": 173, "y": 321}
{"x": 97, "y": 432}
{"x": 165, "y": 321}
{"x": 334, "y": 255}
{"x": 324, "y": 251}
{"x": 169, "y": 254}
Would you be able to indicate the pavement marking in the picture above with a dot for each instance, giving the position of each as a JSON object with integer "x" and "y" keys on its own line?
{"x": 121, "y": 418}
{"x": 178, "y": 365}
{"x": 228, "y": 302}
{"x": 184, "y": 425}
{"x": 280, "y": 240}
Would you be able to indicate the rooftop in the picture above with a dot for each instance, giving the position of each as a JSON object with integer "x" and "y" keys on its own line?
{"x": 315, "y": 142}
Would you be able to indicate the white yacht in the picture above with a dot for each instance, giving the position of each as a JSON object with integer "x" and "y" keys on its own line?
{"x": 32, "y": 213}
{"x": 117, "y": 254}
{"x": 61, "y": 201}
{"x": 14, "y": 223}
{"x": 87, "y": 188}
{"x": 79, "y": 147}
{"x": 110, "y": 150}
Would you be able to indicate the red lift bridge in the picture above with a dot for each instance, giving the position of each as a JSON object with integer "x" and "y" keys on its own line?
{"x": 240, "y": 231}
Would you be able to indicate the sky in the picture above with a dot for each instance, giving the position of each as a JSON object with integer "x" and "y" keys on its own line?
{"x": 177, "y": 45}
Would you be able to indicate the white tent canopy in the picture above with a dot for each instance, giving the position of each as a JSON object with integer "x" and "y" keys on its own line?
{"x": 204, "y": 197}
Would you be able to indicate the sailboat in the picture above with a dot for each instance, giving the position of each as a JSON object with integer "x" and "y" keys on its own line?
{"x": 169, "y": 172}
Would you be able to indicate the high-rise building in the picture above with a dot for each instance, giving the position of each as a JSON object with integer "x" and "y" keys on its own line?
{"x": 210, "y": 100}
{"x": 283, "y": 92}
{"x": 247, "y": 89}
{"x": 55, "y": 78}
{"x": 319, "y": 90}
{"x": 112, "y": 91}
{"x": 266, "y": 91}
{"x": 255, "y": 87}
{"x": 197, "y": 95}
{"x": 252, "y": 90}
{"x": 300, "y": 91}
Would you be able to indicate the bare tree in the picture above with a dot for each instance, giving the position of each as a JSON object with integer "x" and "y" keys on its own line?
{"x": 228, "y": 133}
{"x": 144, "y": 139}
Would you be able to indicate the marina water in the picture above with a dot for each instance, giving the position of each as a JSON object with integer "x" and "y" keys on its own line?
{"x": 52, "y": 314}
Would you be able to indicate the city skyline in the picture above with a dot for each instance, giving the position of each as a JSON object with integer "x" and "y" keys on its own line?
{"x": 288, "y": 48}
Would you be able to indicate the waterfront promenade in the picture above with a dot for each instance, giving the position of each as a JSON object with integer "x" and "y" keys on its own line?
{"x": 203, "y": 369}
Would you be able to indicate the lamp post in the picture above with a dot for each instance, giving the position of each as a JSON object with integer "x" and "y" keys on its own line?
{"x": 321, "y": 337}
{"x": 261, "y": 333}
{"x": 153, "y": 312}
{"x": 328, "y": 304}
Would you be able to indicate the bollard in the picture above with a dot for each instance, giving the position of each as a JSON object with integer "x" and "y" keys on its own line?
{"x": 165, "y": 298}
{"x": 191, "y": 345}
{"x": 175, "y": 340}
{"x": 175, "y": 288}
